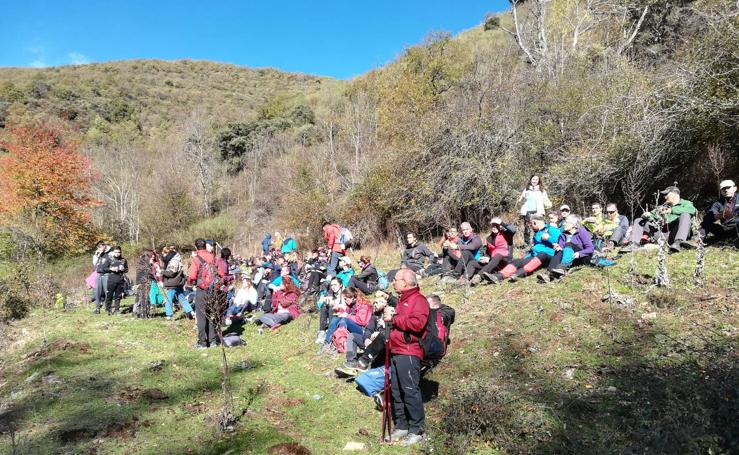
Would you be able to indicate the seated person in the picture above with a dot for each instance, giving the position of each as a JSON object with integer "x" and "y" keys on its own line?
{"x": 553, "y": 219}
{"x": 618, "y": 226}
{"x": 499, "y": 248}
{"x": 418, "y": 257}
{"x": 367, "y": 279}
{"x": 332, "y": 298}
{"x": 284, "y": 305}
{"x": 542, "y": 251}
{"x": 722, "y": 219}
{"x": 450, "y": 249}
{"x": 564, "y": 210}
{"x": 315, "y": 270}
{"x": 354, "y": 314}
{"x": 345, "y": 270}
{"x": 675, "y": 214}
{"x": 469, "y": 247}
{"x": 575, "y": 247}
{"x": 245, "y": 299}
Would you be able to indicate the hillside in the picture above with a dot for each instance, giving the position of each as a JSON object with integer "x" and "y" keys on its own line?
{"x": 531, "y": 369}
{"x": 152, "y": 93}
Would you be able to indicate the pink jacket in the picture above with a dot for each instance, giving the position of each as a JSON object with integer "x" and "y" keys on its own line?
{"x": 362, "y": 314}
{"x": 287, "y": 300}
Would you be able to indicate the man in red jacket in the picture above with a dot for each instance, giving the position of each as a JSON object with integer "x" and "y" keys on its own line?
{"x": 408, "y": 320}
{"x": 202, "y": 275}
{"x": 332, "y": 235}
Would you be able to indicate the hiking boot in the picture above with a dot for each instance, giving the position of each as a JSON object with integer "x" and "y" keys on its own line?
{"x": 362, "y": 365}
{"x": 630, "y": 248}
{"x": 412, "y": 439}
{"x": 487, "y": 276}
{"x": 688, "y": 245}
{"x": 557, "y": 273}
{"x": 344, "y": 372}
{"x": 96, "y": 311}
{"x": 378, "y": 401}
{"x": 397, "y": 434}
{"x": 199, "y": 346}
{"x": 462, "y": 281}
{"x": 477, "y": 279}
{"x": 351, "y": 364}
{"x": 675, "y": 247}
{"x": 543, "y": 278}
{"x": 321, "y": 337}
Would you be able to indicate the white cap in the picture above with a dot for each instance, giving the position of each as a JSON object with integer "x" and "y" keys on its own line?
{"x": 726, "y": 184}
{"x": 564, "y": 207}
{"x": 496, "y": 220}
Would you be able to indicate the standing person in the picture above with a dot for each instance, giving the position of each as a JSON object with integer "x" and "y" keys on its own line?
{"x": 116, "y": 267}
{"x": 202, "y": 275}
{"x": 408, "y": 320}
{"x": 266, "y": 243}
{"x": 101, "y": 281}
{"x": 535, "y": 202}
{"x": 174, "y": 282}
{"x": 722, "y": 219}
{"x": 332, "y": 235}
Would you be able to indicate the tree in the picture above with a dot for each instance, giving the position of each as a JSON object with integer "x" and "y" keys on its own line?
{"x": 47, "y": 184}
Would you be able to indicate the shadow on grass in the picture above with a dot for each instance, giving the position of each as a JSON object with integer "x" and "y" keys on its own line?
{"x": 663, "y": 395}
{"x": 79, "y": 412}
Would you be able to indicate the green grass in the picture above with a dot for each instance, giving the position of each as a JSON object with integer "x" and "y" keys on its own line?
{"x": 636, "y": 383}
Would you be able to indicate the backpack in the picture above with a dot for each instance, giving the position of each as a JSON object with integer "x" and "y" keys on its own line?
{"x": 382, "y": 282}
{"x": 339, "y": 339}
{"x": 371, "y": 381}
{"x": 206, "y": 274}
{"x": 436, "y": 337}
{"x": 345, "y": 236}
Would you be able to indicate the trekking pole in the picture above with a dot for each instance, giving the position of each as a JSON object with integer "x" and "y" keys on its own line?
{"x": 386, "y": 410}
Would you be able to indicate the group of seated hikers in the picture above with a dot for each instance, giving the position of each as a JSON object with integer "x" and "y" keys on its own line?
{"x": 351, "y": 295}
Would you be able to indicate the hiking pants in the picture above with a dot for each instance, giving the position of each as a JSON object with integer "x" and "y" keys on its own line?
{"x": 719, "y": 231}
{"x": 114, "y": 290}
{"x": 179, "y": 293}
{"x": 206, "y": 327}
{"x": 556, "y": 261}
{"x": 494, "y": 263}
{"x": 376, "y": 349}
{"x": 353, "y": 342}
{"x": 527, "y": 232}
{"x": 405, "y": 376}
{"x": 679, "y": 230}
{"x": 101, "y": 288}
{"x": 466, "y": 265}
{"x": 273, "y": 319}
{"x": 333, "y": 263}
{"x": 366, "y": 288}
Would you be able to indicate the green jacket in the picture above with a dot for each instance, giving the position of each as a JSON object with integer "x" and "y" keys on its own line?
{"x": 684, "y": 206}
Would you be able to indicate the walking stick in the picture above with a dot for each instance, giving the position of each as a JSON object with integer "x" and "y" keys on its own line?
{"x": 386, "y": 410}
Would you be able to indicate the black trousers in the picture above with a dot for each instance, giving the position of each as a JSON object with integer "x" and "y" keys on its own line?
{"x": 465, "y": 265}
{"x": 324, "y": 318}
{"x": 495, "y": 262}
{"x": 361, "y": 285}
{"x": 114, "y": 290}
{"x": 405, "y": 376}
{"x": 206, "y": 327}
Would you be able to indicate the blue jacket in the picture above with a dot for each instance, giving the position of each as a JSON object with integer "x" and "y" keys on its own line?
{"x": 289, "y": 245}
{"x": 546, "y": 247}
{"x": 266, "y": 241}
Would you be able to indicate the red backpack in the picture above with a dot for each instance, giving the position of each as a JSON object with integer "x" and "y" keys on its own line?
{"x": 434, "y": 340}
{"x": 339, "y": 338}
{"x": 206, "y": 273}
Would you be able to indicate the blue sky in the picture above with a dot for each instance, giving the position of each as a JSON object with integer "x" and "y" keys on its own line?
{"x": 337, "y": 38}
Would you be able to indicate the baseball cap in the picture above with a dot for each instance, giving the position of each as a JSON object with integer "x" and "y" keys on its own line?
{"x": 565, "y": 207}
{"x": 726, "y": 184}
{"x": 496, "y": 220}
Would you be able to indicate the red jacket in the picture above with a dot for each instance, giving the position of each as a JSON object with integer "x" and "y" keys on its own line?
{"x": 409, "y": 323}
{"x": 332, "y": 234}
{"x": 192, "y": 275}
{"x": 362, "y": 314}
{"x": 287, "y": 300}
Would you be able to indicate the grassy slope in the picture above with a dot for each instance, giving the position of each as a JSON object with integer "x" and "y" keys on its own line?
{"x": 512, "y": 344}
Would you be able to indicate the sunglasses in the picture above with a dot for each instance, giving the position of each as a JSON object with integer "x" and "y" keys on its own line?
{"x": 725, "y": 188}
{"x": 611, "y": 211}
{"x": 565, "y": 210}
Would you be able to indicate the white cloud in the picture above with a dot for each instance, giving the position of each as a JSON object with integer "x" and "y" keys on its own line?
{"x": 77, "y": 58}
{"x": 38, "y": 63}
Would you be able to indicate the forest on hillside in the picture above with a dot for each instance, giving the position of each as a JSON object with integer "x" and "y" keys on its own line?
{"x": 606, "y": 100}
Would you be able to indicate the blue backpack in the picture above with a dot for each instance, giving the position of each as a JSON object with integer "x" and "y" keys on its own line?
{"x": 372, "y": 381}
{"x": 382, "y": 282}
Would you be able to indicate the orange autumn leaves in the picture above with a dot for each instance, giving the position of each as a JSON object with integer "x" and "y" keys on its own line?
{"x": 46, "y": 188}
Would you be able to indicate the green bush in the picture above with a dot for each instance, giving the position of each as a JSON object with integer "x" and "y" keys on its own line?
{"x": 221, "y": 228}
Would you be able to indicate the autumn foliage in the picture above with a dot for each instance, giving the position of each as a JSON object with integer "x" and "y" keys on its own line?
{"x": 45, "y": 186}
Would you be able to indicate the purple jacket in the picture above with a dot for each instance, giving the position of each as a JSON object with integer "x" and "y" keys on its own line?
{"x": 581, "y": 241}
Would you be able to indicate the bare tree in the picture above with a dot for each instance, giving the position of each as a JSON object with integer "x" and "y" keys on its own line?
{"x": 199, "y": 152}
